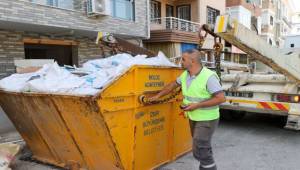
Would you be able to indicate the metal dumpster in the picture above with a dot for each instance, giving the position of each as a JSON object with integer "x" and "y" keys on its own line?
{"x": 111, "y": 130}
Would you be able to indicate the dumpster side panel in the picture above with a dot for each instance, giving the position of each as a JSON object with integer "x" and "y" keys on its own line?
{"x": 45, "y": 118}
{"x": 90, "y": 132}
{"x": 111, "y": 131}
{"x": 117, "y": 103}
{"x": 17, "y": 111}
{"x": 121, "y": 126}
{"x": 182, "y": 142}
{"x": 159, "y": 131}
{"x": 122, "y": 87}
{"x": 50, "y": 124}
{"x": 153, "y": 137}
{"x": 154, "y": 79}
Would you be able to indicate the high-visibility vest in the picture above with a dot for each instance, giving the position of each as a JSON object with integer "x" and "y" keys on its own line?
{"x": 197, "y": 92}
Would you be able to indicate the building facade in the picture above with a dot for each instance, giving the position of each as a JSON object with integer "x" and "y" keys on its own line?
{"x": 175, "y": 24}
{"x": 276, "y": 21}
{"x": 296, "y": 23}
{"x": 64, "y": 30}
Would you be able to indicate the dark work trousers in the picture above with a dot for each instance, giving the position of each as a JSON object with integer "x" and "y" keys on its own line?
{"x": 202, "y": 132}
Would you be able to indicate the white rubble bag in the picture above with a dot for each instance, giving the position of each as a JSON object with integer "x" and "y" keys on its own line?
{"x": 8, "y": 152}
{"x": 52, "y": 78}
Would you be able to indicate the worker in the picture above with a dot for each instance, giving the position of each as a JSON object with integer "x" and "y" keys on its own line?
{"x": 202, "y": 94}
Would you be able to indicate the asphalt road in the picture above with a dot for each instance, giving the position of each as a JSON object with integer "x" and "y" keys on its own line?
{"x": 5, "y": 124}
{"x": 255, "y": 143}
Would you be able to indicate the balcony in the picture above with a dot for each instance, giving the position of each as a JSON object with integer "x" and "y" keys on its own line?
{"x": 172, "y": 23}
{"x": 171, "y": 29}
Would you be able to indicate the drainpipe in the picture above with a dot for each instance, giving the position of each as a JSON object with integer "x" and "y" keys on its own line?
{"x": 148, "y": 19}
{"x": 199, "y": 11}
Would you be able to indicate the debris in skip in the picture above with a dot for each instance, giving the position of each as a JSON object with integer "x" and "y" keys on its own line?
{"x": 87, "y": 80}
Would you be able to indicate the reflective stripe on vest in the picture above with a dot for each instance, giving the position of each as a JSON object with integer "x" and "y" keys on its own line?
{"x": 198, "y": 99}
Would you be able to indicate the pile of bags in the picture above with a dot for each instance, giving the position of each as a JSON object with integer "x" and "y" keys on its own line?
{"x": 52, "y": 78}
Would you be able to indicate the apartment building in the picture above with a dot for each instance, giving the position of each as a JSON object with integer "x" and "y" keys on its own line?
{"x": 270, "y": 18}
{"x": 175, "y": 24}
{"x": 276, "y": 21}
{"x": 248, "y": 13}
{"x": 65, "y": 30}
{"x": 296, "y": 23}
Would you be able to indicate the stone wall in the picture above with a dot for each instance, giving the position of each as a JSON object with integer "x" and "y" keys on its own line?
{"x": 26, "y": 12}
{"x": 12, "y": 47}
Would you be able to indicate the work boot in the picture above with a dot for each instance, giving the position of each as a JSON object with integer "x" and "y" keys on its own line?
{"x": 208, "y": 167}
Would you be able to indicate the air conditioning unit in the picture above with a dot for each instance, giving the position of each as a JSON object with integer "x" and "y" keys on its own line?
{"x": 227, "y": 49}
{"x": 98, "y": 7}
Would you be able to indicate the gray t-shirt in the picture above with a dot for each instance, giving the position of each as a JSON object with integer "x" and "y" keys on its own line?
{"x": 213, "y": 84}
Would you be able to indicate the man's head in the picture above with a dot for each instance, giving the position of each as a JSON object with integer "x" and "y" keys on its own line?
{"x": 191, "y": 58}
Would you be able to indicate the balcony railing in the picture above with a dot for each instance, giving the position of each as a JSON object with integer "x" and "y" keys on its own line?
{"x": 173, "y": 23}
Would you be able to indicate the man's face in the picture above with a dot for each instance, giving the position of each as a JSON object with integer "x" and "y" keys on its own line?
{"x": 186, "y": 61}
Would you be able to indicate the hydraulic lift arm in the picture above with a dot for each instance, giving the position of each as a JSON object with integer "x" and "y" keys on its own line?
{"x": 252, "y": 44}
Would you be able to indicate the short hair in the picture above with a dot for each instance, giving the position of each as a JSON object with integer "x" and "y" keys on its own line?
{"x": 198, "y": 54}
{"x": 190, "y": 51}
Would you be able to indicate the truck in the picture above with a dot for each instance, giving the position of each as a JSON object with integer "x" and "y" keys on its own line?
{"x": 275, "y": 91}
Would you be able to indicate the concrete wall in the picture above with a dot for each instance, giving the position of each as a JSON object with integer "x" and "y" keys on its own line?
{"x": 254, "y": 10}
{"x": 217, "y": 4}
{"x": 202, "y": 5}
{"x": 292, "y": 40}
{"x": 169, "y": 49}
{"x": 240, "y": 13}
{"x": 295, "y": 29}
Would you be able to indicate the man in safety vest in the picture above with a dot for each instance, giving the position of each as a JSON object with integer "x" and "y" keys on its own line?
{"x": 202, "y": 94}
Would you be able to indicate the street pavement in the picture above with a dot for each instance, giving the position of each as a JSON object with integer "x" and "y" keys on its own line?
{"x": 257, "y": 142}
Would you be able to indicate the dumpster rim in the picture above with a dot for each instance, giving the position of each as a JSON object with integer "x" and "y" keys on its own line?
{"x": 96, "y": 96}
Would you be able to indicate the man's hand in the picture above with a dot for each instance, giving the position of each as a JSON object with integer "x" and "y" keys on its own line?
{"x": 153, "y": 98}
{"x": 191, "y": 107}
{"x": 166, "y": 90}
{"x": 217, "y": 99}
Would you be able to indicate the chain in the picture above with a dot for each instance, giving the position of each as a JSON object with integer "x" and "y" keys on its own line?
{"x": 218, "y": 47}
{"x": 144, "y": 100}
{"x": 201, "y": 38}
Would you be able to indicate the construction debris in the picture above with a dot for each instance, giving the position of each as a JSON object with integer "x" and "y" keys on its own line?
{"x": 97, "y": 73}
{"x": 8, "y": 152}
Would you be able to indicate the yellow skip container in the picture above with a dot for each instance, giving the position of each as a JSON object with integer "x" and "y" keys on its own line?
{"x": 111, "y": 130}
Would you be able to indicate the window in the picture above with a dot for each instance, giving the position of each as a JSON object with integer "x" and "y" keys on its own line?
{"x": 123, "y": 9}
{"x": 52, "y": 3}
{"x": 65, "y": 4}
{"x": 212, "y": 15}
{"x": 184, "y": 12}
{"x": 227, "y": 56}
{"x": 292, "y": 45}
{"x": 169, "y": 11}
{"x": 271, "y": 20}
{"x": 243, "y": 59}
{"x": 155, "y": 11}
